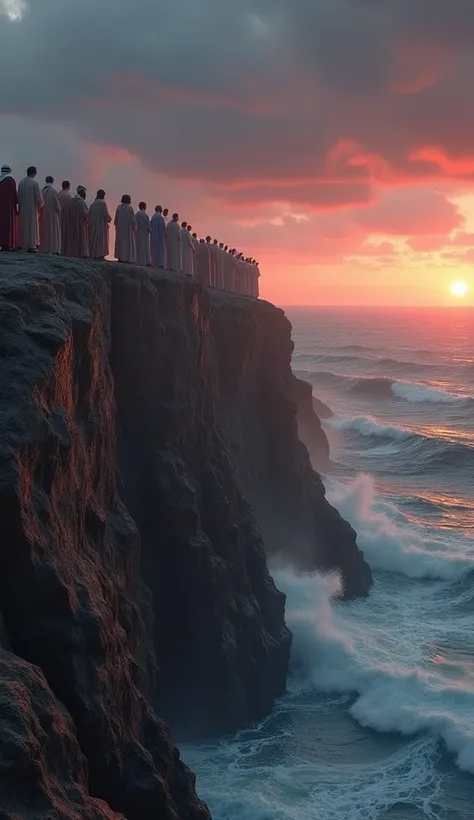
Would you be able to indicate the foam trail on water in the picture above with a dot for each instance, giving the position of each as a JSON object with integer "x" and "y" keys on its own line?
{"x": 390, "y": 542}
{"x": 401, "y": 685}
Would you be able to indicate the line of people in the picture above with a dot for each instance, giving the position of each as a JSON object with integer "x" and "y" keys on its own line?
{"x": 56, "y": 222}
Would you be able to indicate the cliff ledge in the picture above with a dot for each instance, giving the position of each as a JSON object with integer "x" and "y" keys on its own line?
{"x": 149, "y": 462}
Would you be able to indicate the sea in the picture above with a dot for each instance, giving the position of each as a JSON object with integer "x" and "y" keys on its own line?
{"x": 378, "y": 719}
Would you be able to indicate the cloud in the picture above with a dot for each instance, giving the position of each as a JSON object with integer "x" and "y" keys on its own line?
{"x": 353, "y": 115}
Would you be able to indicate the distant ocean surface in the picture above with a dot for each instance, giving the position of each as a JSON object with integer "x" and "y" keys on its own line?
{"x": 378, "y": 721}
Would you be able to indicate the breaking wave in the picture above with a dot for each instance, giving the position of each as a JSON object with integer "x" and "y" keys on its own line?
{"x": 385, "y": 388}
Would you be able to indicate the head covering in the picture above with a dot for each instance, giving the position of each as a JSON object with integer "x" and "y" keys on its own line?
{"x": 5, "y": 172}
{"x": 81, "y": 188}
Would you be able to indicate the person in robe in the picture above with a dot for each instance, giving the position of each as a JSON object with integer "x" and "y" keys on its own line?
{"x": 125, "y": 231}
{"x": 165, "y": 215}
{"x": 158, "y": 238}
{"x": 143, "y": 235}
{"x": 187, "y": 250}
{"x": 76, "y": 229}
{"x": 203, "y": 262}
{"x": 99, "y": 225}
{"x": 30, "y": 203}
{"x": 212, "y": 262}
{"x": 218, "y": 265}
{"x": 50, "y": 219}
{"x": 64, "y": 195}
{"x": 8, "y": 210}
{"x": 173, "y": 244}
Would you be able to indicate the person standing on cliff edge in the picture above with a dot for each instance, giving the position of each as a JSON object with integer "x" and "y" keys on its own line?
{"x": 125, "y": 231}
{"x": 8, "y": 210}
{"x": 64, "y": 196}
{"x": 30, "y": 203}
{"x": 173, "y": 244}
{"x": 158, "y": 238}
{"x": 143, "y": 235}
{"x": 50, "y": 220}
{"x": 99, "y": 222}
{"x": 75, "y": 226}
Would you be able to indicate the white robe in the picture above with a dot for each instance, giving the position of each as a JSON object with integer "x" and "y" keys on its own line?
{"x": 187, "y": 252}
{"x": 125, "y": 234}
{"x": 158, "y": 240}
{"x": 173, "y": 246}
{"x": 50, "y": 221}
{"x": 143, "y": 238}
{"x": 99, "y": 221}
{"x": 30, "y": 203}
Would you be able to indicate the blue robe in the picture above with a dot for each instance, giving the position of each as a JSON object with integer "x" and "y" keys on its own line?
{"x": 158, "y": 241}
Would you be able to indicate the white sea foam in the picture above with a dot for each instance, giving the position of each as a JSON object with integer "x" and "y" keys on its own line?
{"x": 391, "y": 543}
{"x": 423, "y": 393}
{"x": 367, "y": 426}
{"x": 382, "y": 650}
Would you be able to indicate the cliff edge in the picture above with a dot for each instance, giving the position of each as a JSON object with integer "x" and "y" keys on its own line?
{"x": 149, "y": 459}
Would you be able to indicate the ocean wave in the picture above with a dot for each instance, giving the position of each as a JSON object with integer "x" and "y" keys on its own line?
{"x": 390, "y": 542}
{"x": 384, "y": 388}
{"x": 421, "y": 450}
{"x": 378, "y": 650}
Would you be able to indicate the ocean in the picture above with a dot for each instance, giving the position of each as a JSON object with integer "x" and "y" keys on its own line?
{"x": 378, "y": 720}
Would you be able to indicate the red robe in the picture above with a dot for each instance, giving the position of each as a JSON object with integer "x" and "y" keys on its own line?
{"x": 8, "y": 214}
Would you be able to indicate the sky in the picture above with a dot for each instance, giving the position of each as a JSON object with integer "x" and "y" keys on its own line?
{"x": 332, "y": 140}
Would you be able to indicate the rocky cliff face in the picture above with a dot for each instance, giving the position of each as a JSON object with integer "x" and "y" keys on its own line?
{"x": 148, "y": 455}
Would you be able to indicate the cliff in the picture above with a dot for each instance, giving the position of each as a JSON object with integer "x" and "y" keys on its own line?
{"x": 310, "y": 430}
{"x": 148, "y": 456}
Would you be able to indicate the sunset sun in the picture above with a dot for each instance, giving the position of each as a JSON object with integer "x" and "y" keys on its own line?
{"x": 459, "y": 289}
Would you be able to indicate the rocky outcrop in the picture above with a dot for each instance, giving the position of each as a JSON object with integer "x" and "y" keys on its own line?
{"x": 309, "y": 425}
{"x": 71, "y": 594}
{"x": 220, "y": 637}
{"x": 322, "y": 410}
{"x": 256, "y": 395}
{"x": 149, "y": 457}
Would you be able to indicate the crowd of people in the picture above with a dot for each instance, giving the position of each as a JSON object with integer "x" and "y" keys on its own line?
{"x": 46, "y": 220}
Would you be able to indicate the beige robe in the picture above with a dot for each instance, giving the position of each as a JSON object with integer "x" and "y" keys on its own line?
{"x": 76, "y": 240}
{"x": 187, "y": 252}
{"x": 99, "y": 221}
{"x": 30, "y": 203}
{"x": 64, "y": 198}
{"x": 125, "y": 234}
{"x": 50, "y": 221}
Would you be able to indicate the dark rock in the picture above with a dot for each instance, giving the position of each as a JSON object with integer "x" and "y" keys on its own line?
{"x": 256, "y": 394}
{"x": 322, "y": 410}
{"x": 220, "y": 637}
{"x": 71, "y": 594}
{"x": 125, "y": 391}
{"x": 309, "y": 425}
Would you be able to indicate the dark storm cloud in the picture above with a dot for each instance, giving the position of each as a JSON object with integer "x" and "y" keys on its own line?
{"x": 252, "y": 89}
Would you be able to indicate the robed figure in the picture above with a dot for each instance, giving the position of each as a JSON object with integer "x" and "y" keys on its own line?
{"x": 76, "y": 240}
{"x": 30, "y": 203}
{"x": 64, "y": 196}
{"x": 99, "y": 222}
{"x": 187, "y": 252}
{"x": 158, "y": 240}
{"x": 50, "y": 220}
{"x": 8, "y": 210}
{"x": 125, "y": 232}
{"x": 173, "y": 244}
{"x": 203, "y": 263}
{"x": 143, "y": 236}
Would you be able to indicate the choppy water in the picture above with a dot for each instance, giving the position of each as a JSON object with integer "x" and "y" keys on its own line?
{"x": 378, "y": 722}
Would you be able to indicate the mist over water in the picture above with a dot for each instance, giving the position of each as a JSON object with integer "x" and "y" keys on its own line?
{"x": 378, "y": 721}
